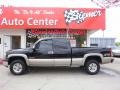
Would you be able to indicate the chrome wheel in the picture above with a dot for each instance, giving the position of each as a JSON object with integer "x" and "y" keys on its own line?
{"x": 17, "y": 68}
{"x": 92, "y": 67}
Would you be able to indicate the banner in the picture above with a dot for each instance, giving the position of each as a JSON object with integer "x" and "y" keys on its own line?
{"x": 51, "y": 18}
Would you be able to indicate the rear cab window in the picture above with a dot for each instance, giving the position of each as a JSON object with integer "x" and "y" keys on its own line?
{"x": 61, "y": 46}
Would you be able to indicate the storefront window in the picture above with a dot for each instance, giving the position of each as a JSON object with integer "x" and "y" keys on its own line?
{"x": 34, "y": 35}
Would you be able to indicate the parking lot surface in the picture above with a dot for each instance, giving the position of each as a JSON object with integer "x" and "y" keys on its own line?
{"x": 62, "y": 79}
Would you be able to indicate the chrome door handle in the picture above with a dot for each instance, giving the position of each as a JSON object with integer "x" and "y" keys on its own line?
{"x": 50, "y": 52}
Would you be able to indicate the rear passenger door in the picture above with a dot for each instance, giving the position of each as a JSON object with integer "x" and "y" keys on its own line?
{"x": 62, "y": 52}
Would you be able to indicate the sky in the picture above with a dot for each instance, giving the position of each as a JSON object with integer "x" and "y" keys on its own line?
{"x": 112, "y": 14}
{"x": 112, "y": 24}
{"x": 49, "y": 3}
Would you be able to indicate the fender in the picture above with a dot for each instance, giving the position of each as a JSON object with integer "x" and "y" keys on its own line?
{"x": 92, "y": 54}
{"x": 20, "y": 55}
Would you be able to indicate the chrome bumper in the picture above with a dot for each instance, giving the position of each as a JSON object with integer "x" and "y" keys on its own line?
{"x": 107, "y": 60}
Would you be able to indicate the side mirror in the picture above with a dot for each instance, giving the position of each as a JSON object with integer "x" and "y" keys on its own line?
{"x": 34, "y": 49}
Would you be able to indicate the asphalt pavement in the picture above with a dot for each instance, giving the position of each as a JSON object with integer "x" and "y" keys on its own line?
{"x": 62, "y": 79}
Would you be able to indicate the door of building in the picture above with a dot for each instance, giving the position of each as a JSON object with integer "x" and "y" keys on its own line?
{"x": 7, "y": 44}
{"x": 16, "y": 42}
{"x": 11, "y": 42}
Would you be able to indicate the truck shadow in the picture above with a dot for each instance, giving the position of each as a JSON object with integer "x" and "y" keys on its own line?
{"x": 54, "y": 70}
{"x": 71, "y": 71}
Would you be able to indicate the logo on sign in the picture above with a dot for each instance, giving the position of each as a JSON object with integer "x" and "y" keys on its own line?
{"x": 1, "y": 11}
{"x": 79, "y": 16}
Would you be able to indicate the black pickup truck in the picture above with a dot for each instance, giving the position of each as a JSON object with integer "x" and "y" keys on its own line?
{"x": 54, "y": 52}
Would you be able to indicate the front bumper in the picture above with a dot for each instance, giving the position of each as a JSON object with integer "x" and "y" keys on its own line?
{"x": 5, "y": 63}
{"x": 107, "y": 60}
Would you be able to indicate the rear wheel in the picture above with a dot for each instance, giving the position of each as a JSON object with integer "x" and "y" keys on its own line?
{"x": 18, "y": 67}
{"x": 92, "y": 67}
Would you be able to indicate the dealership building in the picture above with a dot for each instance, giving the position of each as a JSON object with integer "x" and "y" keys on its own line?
{"x": 20, "y": 27}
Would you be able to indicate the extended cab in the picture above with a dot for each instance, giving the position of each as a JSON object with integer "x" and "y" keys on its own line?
{"x": 54, "y": 52}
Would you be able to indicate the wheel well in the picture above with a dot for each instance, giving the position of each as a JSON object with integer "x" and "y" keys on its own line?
{"x": 96, "y": 58}
{"x": 11, "y": 59}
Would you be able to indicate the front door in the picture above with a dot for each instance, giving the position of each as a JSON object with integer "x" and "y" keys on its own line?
{"x": 43, "y": 54}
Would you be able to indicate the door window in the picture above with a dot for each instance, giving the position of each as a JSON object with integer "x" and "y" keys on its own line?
{"x": 61, "y": 46}
{"x": 16, "y": 42}
{"x": 44, "y": 46}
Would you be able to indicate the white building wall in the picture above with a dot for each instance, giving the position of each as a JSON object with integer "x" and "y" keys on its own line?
{"x": 89, "y": 33}
{"x": 112, "y": 25}
{"x": 12, "y": 32}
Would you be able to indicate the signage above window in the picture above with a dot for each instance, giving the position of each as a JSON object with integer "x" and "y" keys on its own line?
{"x": 31, "y": 17}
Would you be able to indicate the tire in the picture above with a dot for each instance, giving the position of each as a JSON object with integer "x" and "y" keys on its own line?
{"x": 18, "y": 67}
{"x": 92, "y": 67}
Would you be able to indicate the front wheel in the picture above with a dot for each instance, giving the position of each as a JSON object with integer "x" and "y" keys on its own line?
{"x": 92, "y": 67}
{"x": 18, "y": 67}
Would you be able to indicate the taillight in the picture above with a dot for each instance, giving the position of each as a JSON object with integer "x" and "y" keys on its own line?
{"x": 108, "y": 53}
{"x": 111, "y": 52}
